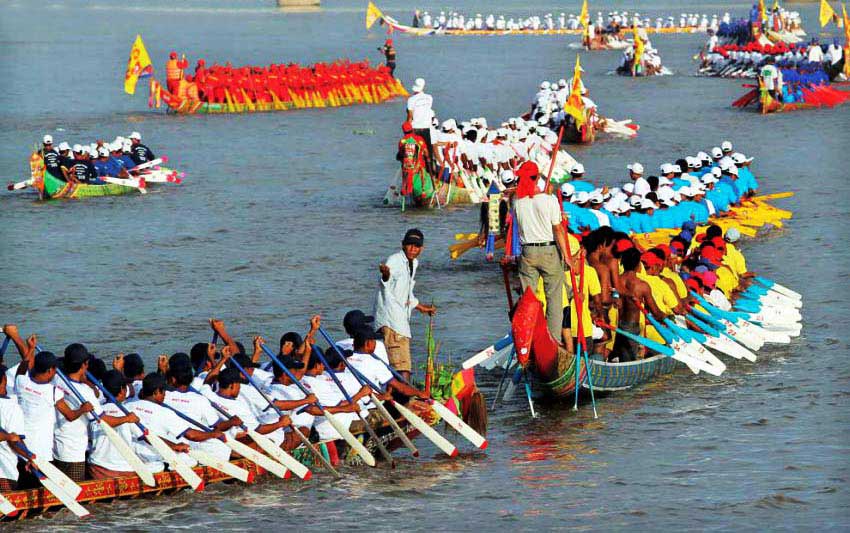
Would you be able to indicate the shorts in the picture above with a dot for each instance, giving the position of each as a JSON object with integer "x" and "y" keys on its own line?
{"x": 398, "y": 349}
{"x": 567, "y": 320}
{"x": 75, "y": 471}
{"x": 98, "y": 472}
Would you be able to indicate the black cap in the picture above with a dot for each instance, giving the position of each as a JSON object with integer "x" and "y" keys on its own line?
{"x": 362, "y": 335}
{"x": 113, "y": 381}
{"x": 355, "y": 319}
{"x": 76, "y": 353}
{"x": 245, "y": 361}
{"x": 414, "y": 237}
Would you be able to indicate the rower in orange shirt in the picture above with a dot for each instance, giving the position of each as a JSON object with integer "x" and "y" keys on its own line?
{"x": 174, "y": 71}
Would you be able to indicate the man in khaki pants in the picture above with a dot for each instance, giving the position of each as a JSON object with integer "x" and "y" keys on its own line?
{"x": 544, "y": 243}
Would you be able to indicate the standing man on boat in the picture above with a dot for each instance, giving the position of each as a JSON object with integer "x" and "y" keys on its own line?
{"x": 394, "y": 301}
{"x": 174, "y": 71}
{"x": 544, "y": 243}
{"x": 389, "y": 53}
{"x": 420, "y": 112}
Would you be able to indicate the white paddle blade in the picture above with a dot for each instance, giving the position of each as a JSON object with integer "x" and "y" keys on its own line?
{"x": 280, "y": 455}
{"x": 460, "y": 426}
{"x": 700, "y": 351}
{"x": 170, "y": 456}
{"x": 766, "y": 335}
{"x": 225, "y": 467}
{"x": 716, "y": 344}
{"x": 750, "y": 341}
{"x": 732, "y": 348}
{"x": 430, "y": 433}
{"x": 149, "y": 164}
{"x": 786, "y": 291}
{"x": 680, "y": 354}
{"x": 67, "y": 500}
{"x": 396, "y": 428}
{"x": 257, "y": 458}
{"x": 352, "y": 441}
{"x": 128, "y": 454}
{"x": 480, "y": 357}
{"x": 6, "y": 507}
{"x": 58, "y": 477}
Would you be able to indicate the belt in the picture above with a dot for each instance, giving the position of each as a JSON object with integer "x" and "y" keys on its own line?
{"x": 550, "y": 243}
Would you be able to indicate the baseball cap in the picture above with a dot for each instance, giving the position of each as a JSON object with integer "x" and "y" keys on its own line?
{"x": 356, "y": 319}
{"x": 48, "y": 139}
{"x": 413, "y": 236}
{"x": 636, "y": 167}
{"x": 136, "y": 135}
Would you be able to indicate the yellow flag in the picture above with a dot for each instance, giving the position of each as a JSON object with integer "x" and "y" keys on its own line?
{"x": 574, "y": 105}
{"x": 775, "y": 5}
{"x": 584, "y": 17}
{"x": 372, "y": 14}
{"x": 846, "y": 40}
{"x": 639, "y": 47}
{"x": 762, "y": 11}
{"x": 826, "y": 13}
{"x": 139, "y": 66}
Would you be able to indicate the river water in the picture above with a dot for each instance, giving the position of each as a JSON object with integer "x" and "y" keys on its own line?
{"x": 280, "y": 217}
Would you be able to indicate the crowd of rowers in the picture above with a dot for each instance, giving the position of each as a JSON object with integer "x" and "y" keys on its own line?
{"x": 470, "y": 153}
{"x": 745, "y": 30}
{"x": 36, "y": 403}
{"x": 89, "y": 163}
{"x": 287, "y": 83}
{"x": 694, "y": 188}
{"x": 454, "y": 20}
{"x": 616, "y": 276}
{"x": 823, "y": 63}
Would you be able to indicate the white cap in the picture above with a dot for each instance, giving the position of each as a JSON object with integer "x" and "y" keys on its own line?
{"x": 709, "y": 178}
{"x": 703, "y": 156}
{"x": 687, "y": 192}
{"x": 716, "y": 172}
{"x": 664, "y": 181}
{"x": 726, "y": 162}
{"x": 136, "y": 135}
{"x": 726, "y": 146}
{"x": 482, "y": 122}
{"x": 418, "y": 85}
{"x": 115, "y": 147}
{"x": 667, "y": 168}
{"x": 126, "y": 145}
{"x": 581, "y": 197}
{"x": 691, "y": 161}
{"x": 64, "y": 146}
{"x": 567, "y": 189}
{"x": 562, "y": 82}
{"x": 733, "y": 170}
{"x": 77, "y": 148}
{"x": 646, "y": 203}
{"x": 716, "y": 152}
{"x": 48, "y": 139}
{"x": 635, "y": 201}
{"x": 740, "y": 158}
{"x": 507, "y": 177}
{"x": 596, "y": 197}
{"x": 578, "y": 168}
{"x": 665, "y": 193}
{"x": 450, "y": 124}
{"x": 629, "y": 187}
{"x": 637, "y": 168}
{"x": 544, "y": 84}
{"x": 85, "y": 149}
{"x": 103, "y": 151}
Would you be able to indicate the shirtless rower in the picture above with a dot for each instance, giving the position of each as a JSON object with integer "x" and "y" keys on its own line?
{"x": 634, "y": 292}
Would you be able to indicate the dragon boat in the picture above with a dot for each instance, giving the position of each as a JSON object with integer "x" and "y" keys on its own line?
{"x": 807, "y": 98}
{"x": 461, "y": 394}
{"x": 351, "y": 94}
{"x": 51, "y": 188}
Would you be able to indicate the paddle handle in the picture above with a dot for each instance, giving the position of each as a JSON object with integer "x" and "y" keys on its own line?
{"x": 114, "y": 400}
{"x": 187, "y": 418}
{"x": 289, "y": 374}
{"x": 4, "y": 346}
{"x": 333, "y": 375}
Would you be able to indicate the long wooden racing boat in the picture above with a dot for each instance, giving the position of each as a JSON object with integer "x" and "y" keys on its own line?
{"x": 35, "y": 502}
{"x": 445, "y": 194}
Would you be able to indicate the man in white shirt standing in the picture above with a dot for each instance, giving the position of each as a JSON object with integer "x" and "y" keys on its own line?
{"x": 11, "y": 429}
{"x": 641, "y": 186}
{"x": 543, "y": 241}
{"x": 420, "y": 112}
{"x": 394, "y": 301}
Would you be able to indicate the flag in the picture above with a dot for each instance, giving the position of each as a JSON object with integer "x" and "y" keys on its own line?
{"x": 139, "y": 66}
{"x": 762, "y": 11}
{"x": 372, "y": 14}
{"x": 584, "y": 16}
{"x": 574, "y": 105}
{"x": 826, "y": 13}
{"x": 775, "y": 5}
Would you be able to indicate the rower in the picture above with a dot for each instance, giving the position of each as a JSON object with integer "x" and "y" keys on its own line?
{"x": 117, "y": 160}
{"x": 105, "y": 461}
{"x": 174, "y": 71}
{"x": 82, "y": 170}
{"x": 52, "y": 160}
{"x": 633, "y": 290}
{"x": 133, "y": 369}
{"x": 102, "y": 166}
{"x": 641, "y": 186}
{"x": 289, "y": 398}
{"x": 40, "y": 399}
{"x": 12, "y": 422}
{"x": 355, "y": 320}
{"x": 164, "y": 423}
{"x": 366, "y": 362}
{"x": 413, "y": 154}
{"x": 230, "y": 396}
{"x": 394, "y": 300}
{"x": 330, "y": 397}
{"x": 196, "y": 406}
{"x": 139, "y": 152}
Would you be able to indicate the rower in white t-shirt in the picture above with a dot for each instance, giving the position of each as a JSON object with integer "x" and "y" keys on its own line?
{"x": 641, "y": 186}
{"x": 104, "y": 460}
{"x": 160, "y": 421}
{"x": 229, "y": 398}
{"x": 354, "y": 320}
{"x": 11, "y": 427}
